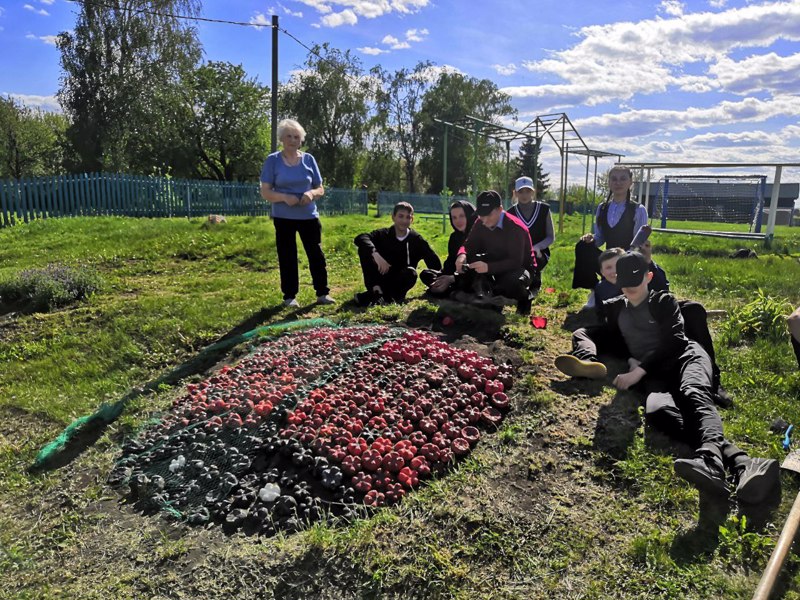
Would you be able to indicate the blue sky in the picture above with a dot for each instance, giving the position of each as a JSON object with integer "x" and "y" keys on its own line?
{"x": 700, "y": 81}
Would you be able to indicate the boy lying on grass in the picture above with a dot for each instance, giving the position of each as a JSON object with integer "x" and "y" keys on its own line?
{"x": 646, "y": 328}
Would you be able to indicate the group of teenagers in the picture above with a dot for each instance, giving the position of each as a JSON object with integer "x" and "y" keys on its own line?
{"x": 496, "y": 257}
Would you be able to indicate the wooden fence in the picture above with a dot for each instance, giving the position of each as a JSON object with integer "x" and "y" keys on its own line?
{"x": 96, "y": 194}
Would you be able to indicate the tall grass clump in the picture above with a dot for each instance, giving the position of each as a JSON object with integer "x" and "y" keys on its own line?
{"x": 53, "y": 286}
{"x": 764, "y": 317}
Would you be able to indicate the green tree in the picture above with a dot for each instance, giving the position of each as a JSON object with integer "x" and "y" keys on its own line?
{"x": 118, "y": 65}
{"x": 528, "y": 164}
{"x": 452, "y": 97}
{"x": 399, "y": 103}
{"x": 31, "y": 141}
{"x": 331, "y": 99}
{"x": 228, "y": 121}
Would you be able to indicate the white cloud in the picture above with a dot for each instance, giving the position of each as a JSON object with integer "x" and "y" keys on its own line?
{"x": 620, "y": 60}
{"x": 38, "y": 11}
{"x": 394, "y": 43}
{"x": 651, "y": 121}
{"x": 367, "y": 9}
{"x": 672, "y": 7}
{"x": 508, "y": 69}
{"x": 262, "y": 19}
{"x": 372, "y": 51}
{"x": 346, "y": 17}
{"x": 767, "y": 72}
{"x": 48, "y": 103}
{"x": 48, "y": 2}
{"x": 416, "y": 35}
{"x": 50, "y": 40}
{"x": 717, "y": 3}
{"x": 291, "y": 13}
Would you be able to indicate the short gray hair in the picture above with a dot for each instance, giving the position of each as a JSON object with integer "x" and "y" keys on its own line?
{"x": 291, "y": 124}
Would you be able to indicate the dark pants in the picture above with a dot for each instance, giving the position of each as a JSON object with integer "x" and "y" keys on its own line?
{"x": 511, "y": 284}
{"x": 310, "y": 231}
{"x": 695, "y": 325}
{"x": 394, "y": 284}
{"x": 688, "y": 383}
{"x": 587, "y": 269}
{"x": 796, "y": 346}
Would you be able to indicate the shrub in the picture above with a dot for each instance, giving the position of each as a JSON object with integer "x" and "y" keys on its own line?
{"x": 764, "y": 317}
{"x": 51, "y": 287}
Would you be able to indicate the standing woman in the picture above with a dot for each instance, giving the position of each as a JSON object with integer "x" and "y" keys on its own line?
{"x": 616, "y": 222}
{"x": 291, "y": 182}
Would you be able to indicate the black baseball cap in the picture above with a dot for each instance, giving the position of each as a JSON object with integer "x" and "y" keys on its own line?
{"x": 631, "y": 269}
{"x": 487, "y": 201}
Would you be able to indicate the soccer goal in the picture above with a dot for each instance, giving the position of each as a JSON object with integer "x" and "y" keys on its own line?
{"x": 725, "y": 205}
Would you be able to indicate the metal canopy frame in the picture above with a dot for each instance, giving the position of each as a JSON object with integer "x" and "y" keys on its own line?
{"x": 557, "y": 127}
{"x": 776, "y": 183}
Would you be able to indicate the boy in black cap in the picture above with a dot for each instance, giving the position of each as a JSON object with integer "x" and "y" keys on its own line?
{"x": 646, "y": 327}
{"x": 497, "y": 257}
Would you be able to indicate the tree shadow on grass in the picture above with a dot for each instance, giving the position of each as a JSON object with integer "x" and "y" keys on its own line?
{"x": 85, "y": 431}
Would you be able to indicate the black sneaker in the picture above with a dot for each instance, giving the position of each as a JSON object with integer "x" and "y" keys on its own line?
{"x": 524, "y": 307}
{"x": 722, "y": 398}
{"x": 365, "y": 299}
{"x": 705, "y": 472}
{"x": 756, "y": 479}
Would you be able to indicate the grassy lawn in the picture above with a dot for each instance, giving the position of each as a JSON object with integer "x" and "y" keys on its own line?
{"x": 570, "y": 499}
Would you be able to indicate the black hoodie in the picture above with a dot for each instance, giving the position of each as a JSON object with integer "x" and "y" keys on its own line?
{"x": 397, "y": 253}
{"x": 457, "y": 237}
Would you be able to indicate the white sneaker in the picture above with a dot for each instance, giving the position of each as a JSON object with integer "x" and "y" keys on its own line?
{"x": 291, "y": 302}
{"x": 326, "y": 299}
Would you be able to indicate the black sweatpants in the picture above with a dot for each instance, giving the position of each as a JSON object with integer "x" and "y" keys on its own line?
{"x": 587, "y": 269}
{"x": 695, "y": 325}
{"x": 394, "y": 284}
{"x": 689, "y": 383}
{"x": 310, "y": 231}
{"x": 796, "y": 346}
{"x": 511, "y": 284}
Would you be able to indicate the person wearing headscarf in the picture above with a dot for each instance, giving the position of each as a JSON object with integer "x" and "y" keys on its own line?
{"x": 462, "y": 218}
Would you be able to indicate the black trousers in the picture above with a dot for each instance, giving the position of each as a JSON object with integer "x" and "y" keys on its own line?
{"x": 587, "y": 269}
{"x": 689, "y": 385}
{"x": 310, "y": 231}
{"x": 695, "y": 325}
{"x": 796, "y": 346}
{"x": 428, "y": 276}
{"x": 511, "y": 284}
{"x": 394, "y": 284}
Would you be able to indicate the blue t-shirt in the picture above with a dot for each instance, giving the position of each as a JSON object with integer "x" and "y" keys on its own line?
{"x": 294, "y": 180}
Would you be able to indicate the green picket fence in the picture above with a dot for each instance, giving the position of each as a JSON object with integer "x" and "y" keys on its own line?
{"x": 94, "y": 194}
{"x": 425, "y": 205}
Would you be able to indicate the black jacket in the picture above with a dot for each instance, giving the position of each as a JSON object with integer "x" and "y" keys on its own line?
{"x": 457, "y": 237}
{"x": 407, "y": 253}
{"x": 666, "y": 312}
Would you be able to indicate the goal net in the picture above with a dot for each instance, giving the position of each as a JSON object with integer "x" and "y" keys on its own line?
{"x": 696, "y": 202}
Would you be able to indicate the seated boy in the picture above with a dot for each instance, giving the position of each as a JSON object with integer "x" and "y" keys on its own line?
{"x": 646, "y": 327}
{"x": 695, "y": 317}
{"x": 497, "y": 258}
{"x": 389, "y": 258}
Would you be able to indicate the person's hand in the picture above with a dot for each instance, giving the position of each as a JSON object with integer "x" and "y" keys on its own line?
{"x": 461, "y": 260}
{"x": 291, "y": 200}
{"x": 383, "y": 266}
{"x": 441, "y": 283}
{"x": 633, "y": 363}
{"x": 625, "y": 381}
{"x": 588, "y": 238}
{"x": 647, "y": 229}
{"x": 306, "y": 198}
{"x": 538, "y": 253}
{"x": 479, "y": 266}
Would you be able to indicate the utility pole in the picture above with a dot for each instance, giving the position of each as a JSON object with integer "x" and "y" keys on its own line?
{"x": 274, "y": 117}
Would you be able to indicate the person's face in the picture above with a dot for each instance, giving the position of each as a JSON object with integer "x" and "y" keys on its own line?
{"x": 402, "y": 220}
{"x": 608, "y": 269}
{"x": 492, "y": 218}
{"x": 525, "y": 195}
{"x": 459, "y": 218}
{"x": 637, "y": 294}
{"x": 619, "y": 181}
{"x": 291, "y": 139}
{"x": 646, "y": 250}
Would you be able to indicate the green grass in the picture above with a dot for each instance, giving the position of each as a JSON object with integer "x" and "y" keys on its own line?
{"x": 541, "y": 509}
